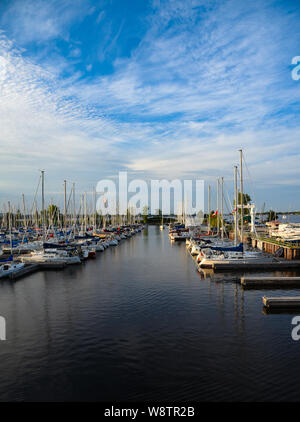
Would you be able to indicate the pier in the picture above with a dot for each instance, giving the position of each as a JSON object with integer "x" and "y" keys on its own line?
{"x": 32, "y": 268}
{"x": 287, "y": 250}
{"x": 283, "y": 302}
{"x": 261, "y": 282}
{"x": 256, "y": 266}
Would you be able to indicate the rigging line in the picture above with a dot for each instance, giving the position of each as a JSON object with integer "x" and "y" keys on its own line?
{"x": 36, "y": 192}
{"x": 69, "y": 200}
{"x": 250, "y": 179}
{"x": 229, "y": 201}
{"x": 229, "y": 208}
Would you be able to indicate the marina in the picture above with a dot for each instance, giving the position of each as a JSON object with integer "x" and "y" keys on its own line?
{"x": 149, "y": 204}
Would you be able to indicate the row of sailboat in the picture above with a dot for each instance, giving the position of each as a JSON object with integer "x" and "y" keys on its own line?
{"x": 210, "y": 247}
{"x": 50, "y": 243}
{"x": 63, "y": 250}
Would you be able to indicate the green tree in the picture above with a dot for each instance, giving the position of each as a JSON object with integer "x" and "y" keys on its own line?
{"x": 53, "y": 213}
{"x": 272, "y": 215}
{"x": 246, "y": 200}
{"x": 214, "y": 220}
{"x": 145, "y": 214}
{"x": 18, "y": 217}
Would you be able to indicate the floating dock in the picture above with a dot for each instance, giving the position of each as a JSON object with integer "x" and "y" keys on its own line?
{"x": 260, "y": 282}
{"x": 32, "y": 268}
{"x": 265, "y": 266}
{"x": 283, "y": 302}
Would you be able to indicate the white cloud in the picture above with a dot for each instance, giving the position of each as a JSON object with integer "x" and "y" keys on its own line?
{"x": 197, "y": 88}
{"x": 42, "y": 20}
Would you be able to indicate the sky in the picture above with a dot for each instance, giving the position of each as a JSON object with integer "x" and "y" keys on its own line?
{"x": 158, "y": 88}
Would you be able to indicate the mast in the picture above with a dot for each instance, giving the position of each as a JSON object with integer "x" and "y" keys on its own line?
{"x": 43, "y": 204}
{"x": 95, "y": 213}
{"x": 236, "y": 207}
{"x": 74, "y": 208}
{"x": 35, "y": 217}
{"x": 85, "y": 212}
{"x": 217, "y": 213}
{"x": 208, "y": 208}
{"x": 24, "y": 211}
{"x": 65, "y": 204}
{"x": 242, "y": 193}
{"x": 9, "y": 226}
{"x": 81, "y": 213}
{"x": 222, "y": 228}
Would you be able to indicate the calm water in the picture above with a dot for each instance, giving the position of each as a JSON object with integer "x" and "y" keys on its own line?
{"x": 139, "y": 323}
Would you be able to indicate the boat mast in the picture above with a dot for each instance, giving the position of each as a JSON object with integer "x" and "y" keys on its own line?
{"x": 65, "y": 205}
{"x": 85, "y": 212}
{"x": 24, "y": 211}
{"x": 222, "y": 225}
{"x": 236, "y": 207}
{"x": 95, "y": 213}
{"x": 217, "y": 213}
{"x": 242, "y": 193}
{"x": 74, "y": 209}
{"x": 9, "y": 226}
{"x": 208, "y": 208}
{"x": 43, "y": 204}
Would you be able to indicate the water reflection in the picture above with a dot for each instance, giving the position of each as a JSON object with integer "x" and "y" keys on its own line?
{"x": 140, "y": 322}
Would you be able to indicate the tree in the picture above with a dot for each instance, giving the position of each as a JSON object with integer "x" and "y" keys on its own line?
{"x": 246, "y": 200}
{"x": 272, "y": 215}
{"x": 18, "y": 217}
{"x": 53, "y": 214}
{"x": 214, "y": 220}
{"x": 145, "y": 214}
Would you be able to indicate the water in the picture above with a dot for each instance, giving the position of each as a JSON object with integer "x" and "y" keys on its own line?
{"x": 139, "y": 323}
{"x": 289, "y": 218}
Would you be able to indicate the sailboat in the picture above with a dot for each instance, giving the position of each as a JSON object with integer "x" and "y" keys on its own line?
{"x": 7, "y": 266}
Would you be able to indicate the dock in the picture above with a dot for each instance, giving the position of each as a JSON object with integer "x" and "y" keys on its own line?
{"x": 287, "y": 250}
{"x": 283, "y": 302}
{"x": 260, "y": 282}
{"x": 32, "y": 268}
{"x": 265, "y": 266}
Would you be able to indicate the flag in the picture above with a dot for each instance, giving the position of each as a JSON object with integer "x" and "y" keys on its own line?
{"x": 215, "y": 213}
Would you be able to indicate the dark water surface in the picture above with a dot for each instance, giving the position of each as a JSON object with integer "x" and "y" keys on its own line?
{"x": 139, "y": 323}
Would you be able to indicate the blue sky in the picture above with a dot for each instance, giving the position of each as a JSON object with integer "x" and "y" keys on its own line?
{"x": 158, "y": 88}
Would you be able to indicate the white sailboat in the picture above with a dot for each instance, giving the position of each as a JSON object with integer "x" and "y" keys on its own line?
{"x": 9, "y": 267}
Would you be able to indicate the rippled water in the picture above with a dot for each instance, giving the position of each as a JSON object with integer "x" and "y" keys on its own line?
{"x": 139, "y": 323}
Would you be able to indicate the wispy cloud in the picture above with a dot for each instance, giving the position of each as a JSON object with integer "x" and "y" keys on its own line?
{"x": 207, "y": 78}
{"x": 42, "y": 20}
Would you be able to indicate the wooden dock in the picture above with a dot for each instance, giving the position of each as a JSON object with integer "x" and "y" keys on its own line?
{"x": 289, "y": 251}
{"x": 261, "y": 282}
{"x": 283, "y": 302}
